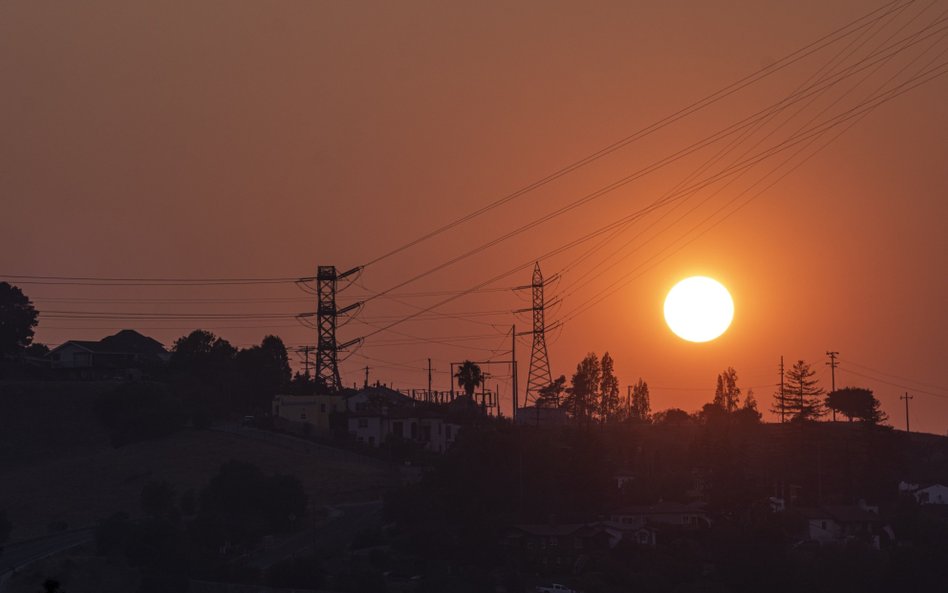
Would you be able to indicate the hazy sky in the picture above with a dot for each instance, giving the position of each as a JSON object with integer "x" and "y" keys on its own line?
{"x": 254, "y": 139}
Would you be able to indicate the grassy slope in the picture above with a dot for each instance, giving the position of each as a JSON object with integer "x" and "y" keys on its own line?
{"x": 56, "y": 463}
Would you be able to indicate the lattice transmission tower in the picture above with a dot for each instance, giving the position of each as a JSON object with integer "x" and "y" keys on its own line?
{"x": 327, "y": 349}
{"x": 540, "y": 375}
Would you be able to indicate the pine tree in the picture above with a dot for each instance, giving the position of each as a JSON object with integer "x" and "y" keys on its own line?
{"x": 608, "y": 390}
{"x": 640, "y": 408}
{"x": 583, "y": 393}
{"x": 727, "y": 394}
{"x": 801, "y": 398}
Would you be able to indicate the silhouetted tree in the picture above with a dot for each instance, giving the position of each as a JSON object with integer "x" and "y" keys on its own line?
{"x": 552, "y": 395}
{"x": 671, "y": 416}
{"x": 801, "y": 399}
{"x": 727, "y": 394}
{"x": 203, "y": 366}
{"x": 201, "y": 350}
{"x": 18, "y": 317}
{"x": 265, "y": 370}
{"x": 469, "y": 377}
{"x": 36, "y": 350}
{"x": 748, "y": 413}
{"x": 608, "y": 390}
{"x": 640, "y": 408}
{"x": 582, "y": 394}
{"x": 856, "y": 402}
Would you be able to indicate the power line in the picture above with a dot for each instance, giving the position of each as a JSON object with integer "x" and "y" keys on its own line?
{"x": 794, "y": 98}
{"x": 111, "y": 281}
{"x": 784, "y": 62}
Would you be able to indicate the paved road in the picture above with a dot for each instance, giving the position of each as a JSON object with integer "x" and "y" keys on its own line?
{"x": 20, "y": 554}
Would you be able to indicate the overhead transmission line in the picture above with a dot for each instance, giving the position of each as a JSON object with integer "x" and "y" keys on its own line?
{"x": 106, "y": 281}
{"x": 784, "y": 62}
{"x": 641, "y": 269}
{"x": 799, "y": 138}
{"x": 594, "y": 268}
{"x": 849, "y": 49}
{"x": 794, "y": 98}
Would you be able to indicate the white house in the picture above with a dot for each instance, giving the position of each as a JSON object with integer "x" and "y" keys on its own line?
{"x": 840, "y": 524}
{"x": 427, "y": 428}
{"x": 934, "y": 494}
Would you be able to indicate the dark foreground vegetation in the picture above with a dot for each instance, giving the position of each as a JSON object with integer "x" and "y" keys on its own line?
{"x": 457, "y": 523}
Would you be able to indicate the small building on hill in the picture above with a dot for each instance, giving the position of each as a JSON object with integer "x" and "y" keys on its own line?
{"x": 122, "y": 355}
{"x": 840, "y": 524}
{"x": 428, "y": 428}
{"x": 932, "y": 494}
{"x": 317, "y": 410}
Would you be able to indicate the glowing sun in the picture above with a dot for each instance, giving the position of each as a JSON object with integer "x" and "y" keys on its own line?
{"x": 699, "y": 309}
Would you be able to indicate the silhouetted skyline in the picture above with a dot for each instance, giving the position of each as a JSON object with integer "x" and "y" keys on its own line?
{"x": 263, "y": 140}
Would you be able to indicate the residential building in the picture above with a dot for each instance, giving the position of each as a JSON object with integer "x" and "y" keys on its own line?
{"x": 932, "y": 494}
{"x": 122, "y": 355}
{"x": 428, "y": 428}
{"x": 840, "y": 524}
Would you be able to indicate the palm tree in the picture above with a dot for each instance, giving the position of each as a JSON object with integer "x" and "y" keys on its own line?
{"x": 469, "y": 376}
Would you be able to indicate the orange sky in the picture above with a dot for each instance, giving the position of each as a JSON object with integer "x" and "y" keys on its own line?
{"x": 251, "y": 139}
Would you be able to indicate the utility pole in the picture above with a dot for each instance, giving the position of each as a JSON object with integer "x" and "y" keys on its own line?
{"x": 628, "y": 400}
{"x": 906, "y": 397}
{"x": 451, "y": 380}
{"x": 832, "y": 365}
{"x": 428, "y": 396}
{"x": 513, "y": 369}
{"x": 783, "y": 399}
{"x": 365, "y": 385}
{"x": 305, "y": 350}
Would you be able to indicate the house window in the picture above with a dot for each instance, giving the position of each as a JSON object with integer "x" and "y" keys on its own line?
{"x": 447, "y": 431}
{"x": 372, "y": 441}
{"x": 398, "y": 429}
{"x": 303, "y": 415}
{"x": 414, "y": 430}
{"x": 363, "y": 422}
{"x": 322, "y": 408}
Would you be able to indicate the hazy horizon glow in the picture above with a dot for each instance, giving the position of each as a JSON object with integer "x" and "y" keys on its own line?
{"x": 196, "y": 140}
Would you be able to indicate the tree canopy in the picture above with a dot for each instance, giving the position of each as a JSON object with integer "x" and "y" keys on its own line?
{"x": 856, "y": 403}
{"x": 469, "y": 376}
{"x": 18, "y": 317}
{"x": 640, "y": 408}
{"x": 608, "y": 407}
{"x": 727, "y": 394}
{"x": 583, "y": 392}
{"x": 800, "y": 398}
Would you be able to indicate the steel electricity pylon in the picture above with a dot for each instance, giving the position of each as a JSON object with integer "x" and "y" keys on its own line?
{"x": 540, "y": 375}
{"x": 327, "y": 349}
